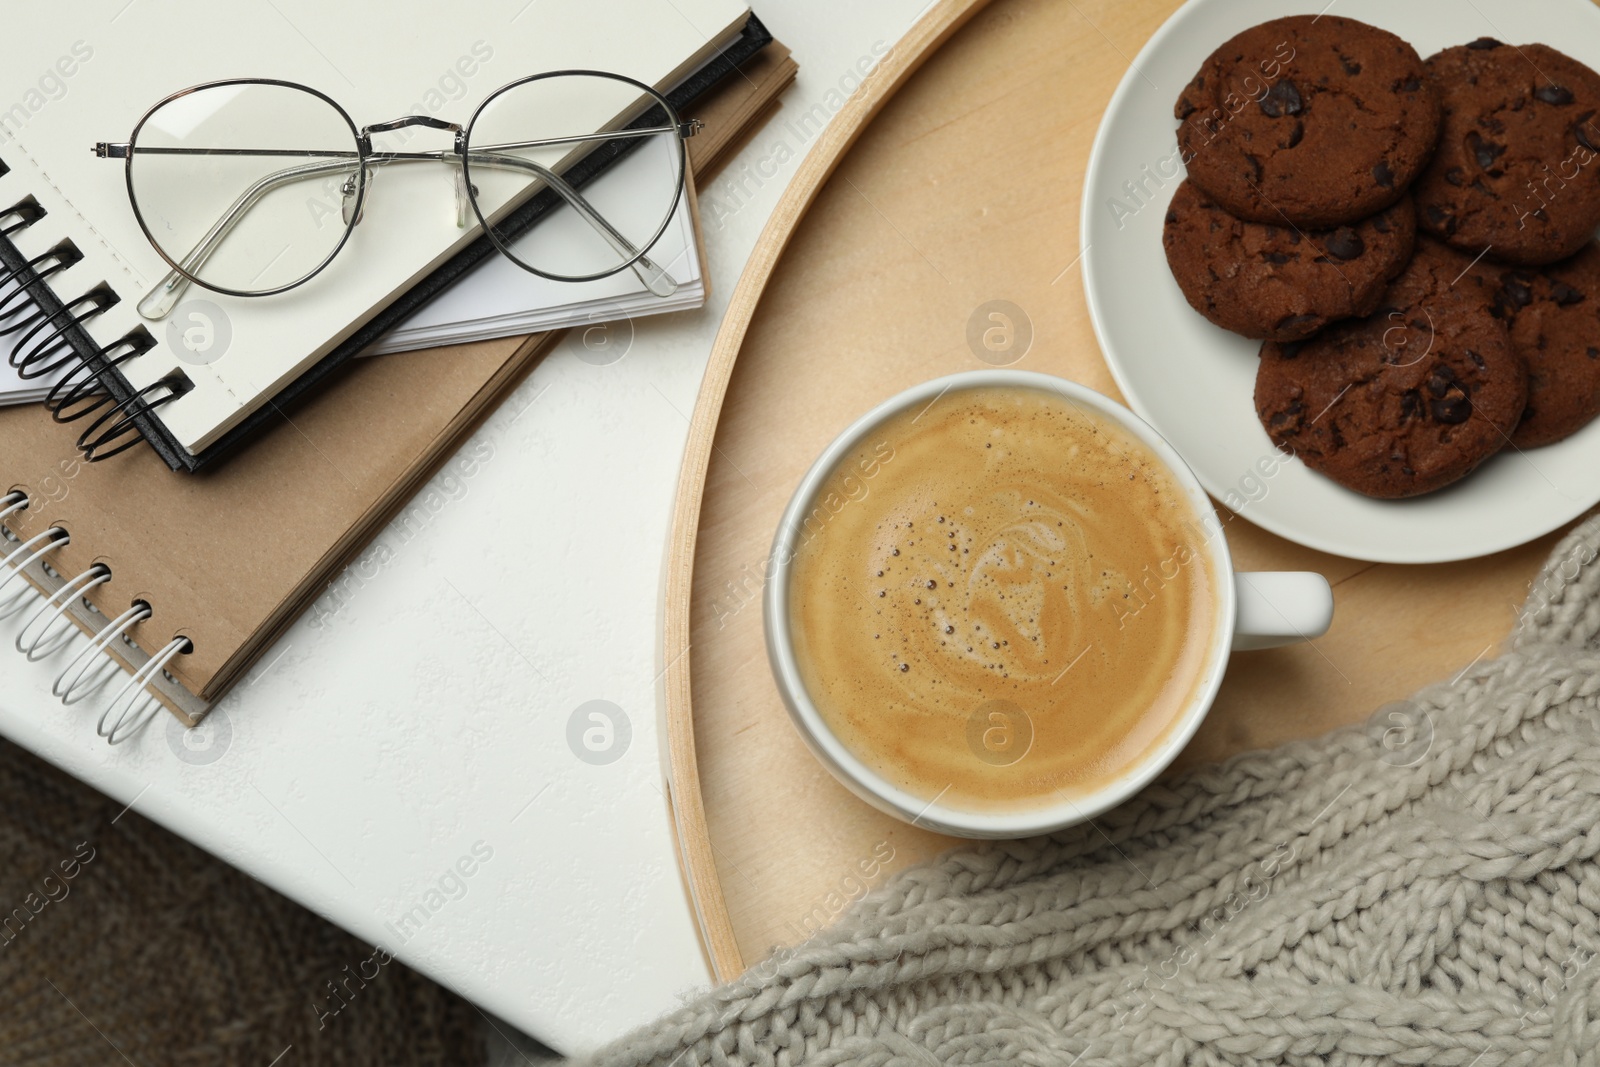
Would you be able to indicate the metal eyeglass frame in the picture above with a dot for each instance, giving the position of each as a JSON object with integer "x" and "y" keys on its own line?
{"x": 159, "y": 302}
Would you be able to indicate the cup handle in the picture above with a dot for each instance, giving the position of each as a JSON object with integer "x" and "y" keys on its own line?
{"x": 1278, "y": 608}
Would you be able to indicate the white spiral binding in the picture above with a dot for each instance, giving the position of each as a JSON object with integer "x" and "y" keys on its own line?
{"x": 68, "y": 690}
{"x": 60, "y": 600}
{"x": 50, "y": 631}
{"x": 53, "y": 538}
{"x": 132, "y": 690}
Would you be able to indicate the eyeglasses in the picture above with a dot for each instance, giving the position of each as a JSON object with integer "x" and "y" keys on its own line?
{"x": 251, "y": 186}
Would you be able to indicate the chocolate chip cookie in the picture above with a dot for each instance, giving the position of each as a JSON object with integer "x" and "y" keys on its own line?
{"x": 1406, "y": 400}
{"x": 1316, "y": 122}
{"x": 1517, "y": 169}
{"x": 1554, "y": 314}
{"x": 1279, "y": 282}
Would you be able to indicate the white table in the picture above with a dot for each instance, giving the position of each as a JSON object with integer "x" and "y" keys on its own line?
{"x": 424, "y": 723}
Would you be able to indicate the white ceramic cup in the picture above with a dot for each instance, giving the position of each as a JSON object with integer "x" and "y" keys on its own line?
{"x": 1262, "y": 610}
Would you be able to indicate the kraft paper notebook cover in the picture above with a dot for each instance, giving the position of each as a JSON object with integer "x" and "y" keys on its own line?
{"x": 123, "y": 58}
{"x": 229, "y": 557}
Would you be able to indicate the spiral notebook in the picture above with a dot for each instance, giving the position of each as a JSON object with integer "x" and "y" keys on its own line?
{"x": 227, "y": 558}
{"x": 87, "y": 77}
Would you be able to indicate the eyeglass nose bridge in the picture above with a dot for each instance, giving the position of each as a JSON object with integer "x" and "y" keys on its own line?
{"x": 405, "y": 121}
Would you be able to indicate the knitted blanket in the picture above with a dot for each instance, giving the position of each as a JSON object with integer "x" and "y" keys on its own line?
{"x": 1420, "y": 889}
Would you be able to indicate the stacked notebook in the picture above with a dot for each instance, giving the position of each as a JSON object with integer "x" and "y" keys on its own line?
{"x": 123, "y": 61}
{"x": 227, "y": 557}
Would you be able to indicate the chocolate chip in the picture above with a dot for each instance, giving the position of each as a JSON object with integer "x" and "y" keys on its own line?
{"x": 1382, "y": 224}
{"x": 1518, "y": 291}
{"x": 1336, "y": 434}
{"x": 1586, "y": 134}
{"x": 1296, "y": 135}
{"x": 1185, "y": 109}
{"x": 1440, "y": 219}
{"x": 1290, "y": 349}
{"x": 1199, "y": 81}
{"x": 1351, "y": 67}
{"x": 1485, "y": 152}
{"x": 1450, "y": 410}
{"x": 1593, "y": 353}
{"x": 1275, "y": 257}
{"x": 1255, "y": 169}
{"x": 1440, "y": 381}
{"x": 1456, "y": 177}
{"x": 1345, "y": 243}
{"x": 1564, "y": 294}
{"x": 1484, "y": 44}
{"x": 1410, "y": 85}
{"x": 1477, "y": 360}
{"x": 1410, "y": 404}
{"x": 1172, "y": 217}
{"x": 1294, "y": 322}
{"x": 1383, "y": 175}
{"x": 1282, "y": 99}
{"x": 1558, "y": 95}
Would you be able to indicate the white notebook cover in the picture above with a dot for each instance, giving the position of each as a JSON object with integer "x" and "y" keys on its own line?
{"x": 68, "y": 82}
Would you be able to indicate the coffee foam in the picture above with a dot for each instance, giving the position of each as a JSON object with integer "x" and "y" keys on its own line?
{"x": 1016, "y": 604}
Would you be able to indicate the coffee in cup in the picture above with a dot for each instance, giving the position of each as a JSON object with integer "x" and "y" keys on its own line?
{"x": 1007, "y": 605}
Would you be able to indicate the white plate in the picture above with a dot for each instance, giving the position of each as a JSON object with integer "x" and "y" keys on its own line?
{"x": 1195, "y": 382}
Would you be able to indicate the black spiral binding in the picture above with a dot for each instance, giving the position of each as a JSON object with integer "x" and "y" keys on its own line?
{"x": 36, "y": 356}
{"x": 20, "y": 216}
{"x": 24, "y": 300}
{"x": 47, "y": 346}
{"x": 82, "y": 391}
{"x": 105, "y": 444}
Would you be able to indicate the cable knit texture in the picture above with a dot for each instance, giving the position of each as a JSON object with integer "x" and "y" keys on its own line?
{"x": 1421, "y": 889}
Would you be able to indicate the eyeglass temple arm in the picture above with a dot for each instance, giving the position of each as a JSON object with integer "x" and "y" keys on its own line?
{"x": 159, "y": 302}
{"x": 655, "y": 277}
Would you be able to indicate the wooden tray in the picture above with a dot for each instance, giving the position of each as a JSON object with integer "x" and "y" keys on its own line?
{"x": 962, "y": 186}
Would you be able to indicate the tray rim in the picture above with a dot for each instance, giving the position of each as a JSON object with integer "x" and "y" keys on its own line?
{"x": 696, "y": 853}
